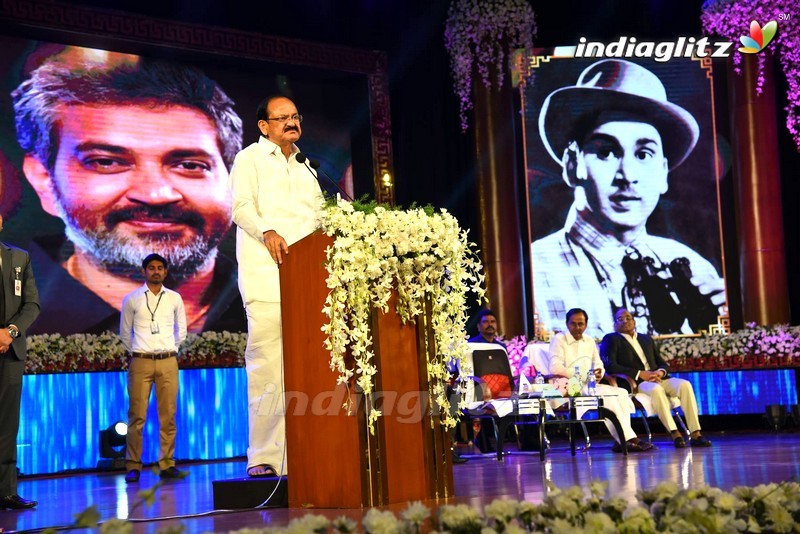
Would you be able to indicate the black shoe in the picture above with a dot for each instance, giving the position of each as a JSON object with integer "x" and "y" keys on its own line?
{"x": 699, "y": 441}
{"x": 15, "y": 502}
{"x": 172, "y": 472}
{"x": 679, "y": 442}
{"x": 457, "y": 459}
{"x": 634, "y": 446}
{"x": 132, "y": 476}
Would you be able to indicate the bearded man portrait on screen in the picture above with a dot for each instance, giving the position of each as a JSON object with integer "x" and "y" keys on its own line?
{"x": 133, "y": 156}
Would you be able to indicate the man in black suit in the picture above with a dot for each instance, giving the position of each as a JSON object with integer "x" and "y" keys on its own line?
{"x": 636, "y": 355}
{"x": 19, "y": 306}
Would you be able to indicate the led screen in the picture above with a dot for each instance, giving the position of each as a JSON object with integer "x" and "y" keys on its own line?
{"x": 623, "y": 192}
{"x": 107, "y": 156}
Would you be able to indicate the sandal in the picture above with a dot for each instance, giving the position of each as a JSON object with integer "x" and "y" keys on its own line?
{"x": 267, "y": 471}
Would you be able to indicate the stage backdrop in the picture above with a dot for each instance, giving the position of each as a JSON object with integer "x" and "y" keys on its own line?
{"x": 687, "y": 215}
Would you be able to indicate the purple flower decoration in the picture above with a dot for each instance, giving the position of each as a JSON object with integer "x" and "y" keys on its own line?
{"x": 733, "y": 19}
{"x": 480, "y": 35}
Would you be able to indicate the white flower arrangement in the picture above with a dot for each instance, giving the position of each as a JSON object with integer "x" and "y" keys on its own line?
{"x": 665, "y": 508}
{"x": 753, "y": 346}
{"x": 424, "y": 256}
{"x": 75, "y": 353}
{"x": 779, "y": 343}
{"x": 54, "y": 353}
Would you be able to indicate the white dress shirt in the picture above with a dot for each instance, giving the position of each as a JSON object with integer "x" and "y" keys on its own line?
{"x": 637, "y": 348}
{"x": 141, "y": 308}
{"x": 566, "y": 353}
{"x": 269, "y": 193}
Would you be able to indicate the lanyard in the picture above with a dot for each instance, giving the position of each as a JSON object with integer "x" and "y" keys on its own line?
{"x": 147, "y": 300}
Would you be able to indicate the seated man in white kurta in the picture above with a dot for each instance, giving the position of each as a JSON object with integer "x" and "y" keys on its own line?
{"x": 571, "y": 350}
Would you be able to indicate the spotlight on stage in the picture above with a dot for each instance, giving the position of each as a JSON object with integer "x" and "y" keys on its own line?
{"x": 776, "y": 416}
{"x": 112, "y": 447}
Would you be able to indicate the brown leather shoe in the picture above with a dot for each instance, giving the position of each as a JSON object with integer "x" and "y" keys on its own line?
{"x": 15, "y": 502}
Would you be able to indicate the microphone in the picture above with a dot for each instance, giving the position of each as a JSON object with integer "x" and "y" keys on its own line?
{"x": 313, "y": 164}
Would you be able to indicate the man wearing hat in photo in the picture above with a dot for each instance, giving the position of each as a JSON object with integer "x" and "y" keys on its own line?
{"x": 616, "y": 137}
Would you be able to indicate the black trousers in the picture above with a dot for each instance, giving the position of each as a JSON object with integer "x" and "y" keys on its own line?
{"x": 11, "y": 370}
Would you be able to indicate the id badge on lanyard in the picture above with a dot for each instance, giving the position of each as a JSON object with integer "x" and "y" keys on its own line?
{"x": 153, "y": 323}
{"x": 17, "y": 282}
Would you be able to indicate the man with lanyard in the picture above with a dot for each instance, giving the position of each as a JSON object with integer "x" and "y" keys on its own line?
{"x": 152, "y": 327}
{"x": 19, "y": 306}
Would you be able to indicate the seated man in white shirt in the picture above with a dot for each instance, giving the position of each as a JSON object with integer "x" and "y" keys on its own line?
{"x": 637, "y": 356}
{"x": 572, "y": 350}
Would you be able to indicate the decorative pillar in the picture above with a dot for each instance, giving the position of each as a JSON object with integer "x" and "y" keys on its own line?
{"x": 765, "y": 298}
{"x": 501, "y": 241}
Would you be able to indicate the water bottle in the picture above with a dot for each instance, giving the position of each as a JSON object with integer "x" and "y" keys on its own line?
{"x": 591, "y": 383}
{"x": 578, "y": 376}
{"x": 539, "y": 380}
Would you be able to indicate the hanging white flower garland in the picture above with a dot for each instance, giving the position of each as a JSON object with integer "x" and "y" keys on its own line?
{"x": 417, "y": 252}
{"x": 480, "y": 36}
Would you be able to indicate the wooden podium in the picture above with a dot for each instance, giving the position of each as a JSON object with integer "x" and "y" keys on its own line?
{"x": 332, "y": 459}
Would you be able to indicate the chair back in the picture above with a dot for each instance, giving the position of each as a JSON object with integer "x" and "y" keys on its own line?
{"x": 490, "y": 364}
{"x": 540, "y": 357}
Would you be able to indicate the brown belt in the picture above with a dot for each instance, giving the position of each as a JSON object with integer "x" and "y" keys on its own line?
{"x": 154, "y": 355}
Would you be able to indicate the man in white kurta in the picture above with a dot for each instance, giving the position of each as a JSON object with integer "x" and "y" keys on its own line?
{"x": 276, "y": 202}
{"x": 572, "y": 349}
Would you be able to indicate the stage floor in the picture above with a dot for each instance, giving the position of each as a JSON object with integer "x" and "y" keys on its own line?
{"x": 734, "y": 460}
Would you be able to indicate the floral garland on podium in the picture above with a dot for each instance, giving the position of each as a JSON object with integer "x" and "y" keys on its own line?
{"x": 418, "y": 252}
